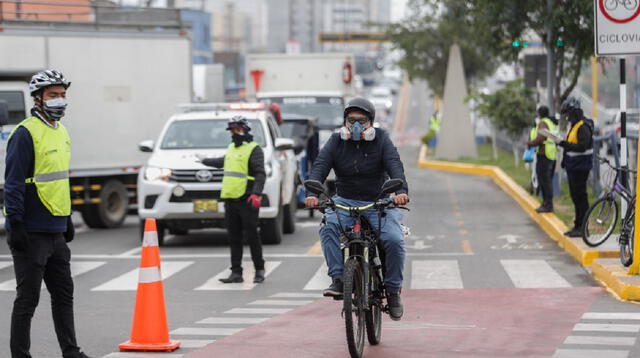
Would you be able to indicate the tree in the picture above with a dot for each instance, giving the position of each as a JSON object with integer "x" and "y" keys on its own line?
{"x": 571, "y": 24}
{"x": 425, "y": 38}
{"x": 510, "y": 109}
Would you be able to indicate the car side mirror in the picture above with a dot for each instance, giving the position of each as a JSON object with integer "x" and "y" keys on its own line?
{"x": 392, "y": 185}
{"x": 4, "y": 113}
{"x": 146, "y": 146}
{"x": 284, "y": 144}
{"x": 314, "y": 186}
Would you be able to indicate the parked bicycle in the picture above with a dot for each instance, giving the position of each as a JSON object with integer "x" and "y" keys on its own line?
{"x": 602, "y": 217}
{"x": 363, "y": 278}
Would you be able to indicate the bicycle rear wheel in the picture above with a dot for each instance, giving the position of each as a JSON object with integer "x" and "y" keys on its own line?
{"x": 373, "y": 316}
{"x": 354, "y": 312}
{"x": 601, "y": 219}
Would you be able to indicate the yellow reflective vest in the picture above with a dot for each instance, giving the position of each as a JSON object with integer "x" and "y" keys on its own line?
{"x": 52, "y": 150}
{"x": 550, "y": 150}
{"x": 236, "y": 170}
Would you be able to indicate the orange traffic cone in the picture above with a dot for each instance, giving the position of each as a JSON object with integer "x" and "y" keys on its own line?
{"x": 150, "y": 331}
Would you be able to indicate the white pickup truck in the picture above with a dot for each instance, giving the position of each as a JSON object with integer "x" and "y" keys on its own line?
{"x": 182, "y": 194}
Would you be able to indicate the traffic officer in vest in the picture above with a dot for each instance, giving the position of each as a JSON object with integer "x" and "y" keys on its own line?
{"x": 242, "y": 184}
{"x": 577, "y": 160}
{"x": 545, "y": 157}
{"x": 38, "y": 208}
{"x": 434, "y": 122}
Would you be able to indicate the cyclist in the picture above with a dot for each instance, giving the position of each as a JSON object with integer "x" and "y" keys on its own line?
{"x": 362, "y": 156}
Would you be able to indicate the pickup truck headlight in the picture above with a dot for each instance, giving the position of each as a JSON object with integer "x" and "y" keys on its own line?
{"x": 153, "y": 174}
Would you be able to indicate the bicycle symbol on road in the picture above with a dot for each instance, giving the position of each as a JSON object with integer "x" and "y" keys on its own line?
{"x": 619, "y": 11}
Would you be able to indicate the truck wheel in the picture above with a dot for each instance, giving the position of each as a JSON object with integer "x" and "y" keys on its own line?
{"x": 289, "y": 219}
{"x": 112, "y": 209}
{"x": 159, "y": 228}
{"x": 271, "y": 229}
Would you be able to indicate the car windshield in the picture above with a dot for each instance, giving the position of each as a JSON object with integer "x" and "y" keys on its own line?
{"x": 292, "y": 129}
{"x": 205, "y": 134}
{"x": 328, "y": 110}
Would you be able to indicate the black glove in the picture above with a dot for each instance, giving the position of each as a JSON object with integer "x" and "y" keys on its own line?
{"x": 563, "y": 143}
{"x": 18, "y": 239}
{"x": 71, "y": 231}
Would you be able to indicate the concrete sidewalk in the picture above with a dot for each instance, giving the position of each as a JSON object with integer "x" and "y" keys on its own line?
{"x": 606, "y": 268}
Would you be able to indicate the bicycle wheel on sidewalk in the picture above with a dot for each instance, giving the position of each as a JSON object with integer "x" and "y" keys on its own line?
{"x": 601, "y": 219}
{"x": 354, "y": 312}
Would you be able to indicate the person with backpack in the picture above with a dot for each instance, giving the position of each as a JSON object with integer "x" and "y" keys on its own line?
{"x": 577, "y": 159}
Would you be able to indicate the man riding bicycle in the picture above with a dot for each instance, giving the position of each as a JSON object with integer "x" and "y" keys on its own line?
{"x": 362, "y": 158}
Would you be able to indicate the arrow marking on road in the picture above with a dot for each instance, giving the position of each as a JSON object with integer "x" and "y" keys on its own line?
{"x": 512, "y": 239}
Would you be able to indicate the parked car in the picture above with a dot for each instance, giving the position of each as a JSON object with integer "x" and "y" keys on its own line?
{"x": 381, "y": 97}
{"x": 183, "y": 194}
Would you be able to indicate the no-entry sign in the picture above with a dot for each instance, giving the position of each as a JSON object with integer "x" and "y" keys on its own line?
{"x": 617, "y": 25}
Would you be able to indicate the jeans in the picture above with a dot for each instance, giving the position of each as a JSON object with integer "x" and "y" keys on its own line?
{"x": 544, "y": 171}
{"x": 391, "y": 238}
{"x": 578, "y": 189}
{"x": 47, "y": 258}
{"x": 241, "y": 220}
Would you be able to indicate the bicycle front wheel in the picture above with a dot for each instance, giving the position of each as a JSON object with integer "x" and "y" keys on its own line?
{"x": 626, "y": 246}
{"x": 374, "y": 314}
{"x": 354, "y": 312}
{"x": 601, "y": 219}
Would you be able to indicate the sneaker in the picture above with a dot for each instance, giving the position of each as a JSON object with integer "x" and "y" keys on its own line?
{"x": 544, "y": 209}
{"x": 235, "y": 277}
{"x": 335, "y": 290}
{"x": 82, "y": 355}
{"x": 259, "y": 277}
{"x": 574, "y": 233}
{"x": 395, "y": 306}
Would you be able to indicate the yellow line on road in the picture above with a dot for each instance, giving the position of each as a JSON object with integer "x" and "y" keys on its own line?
{"x": 463, "y": 232}
{"x": 466, "y": 247}
{"x": 316, "y": 249}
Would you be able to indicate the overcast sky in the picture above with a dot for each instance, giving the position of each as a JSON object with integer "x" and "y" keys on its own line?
{"x": 397, "y": 9}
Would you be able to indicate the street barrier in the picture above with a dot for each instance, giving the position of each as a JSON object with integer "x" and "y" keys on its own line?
{"x": 150, "y": 331}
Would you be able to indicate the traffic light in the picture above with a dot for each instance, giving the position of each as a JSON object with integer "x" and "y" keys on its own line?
{"x": 518, "y": 43}
{"x": 515, "y": 43}
{"x": 559, "y": 43}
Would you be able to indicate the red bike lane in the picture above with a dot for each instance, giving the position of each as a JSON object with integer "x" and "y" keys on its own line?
{"x": 505, "y": 322}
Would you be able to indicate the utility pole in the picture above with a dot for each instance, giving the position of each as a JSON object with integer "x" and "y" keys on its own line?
{"x": 550, "y": 61}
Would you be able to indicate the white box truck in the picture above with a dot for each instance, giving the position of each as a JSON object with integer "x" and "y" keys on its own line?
{"x": 125, "y": 83}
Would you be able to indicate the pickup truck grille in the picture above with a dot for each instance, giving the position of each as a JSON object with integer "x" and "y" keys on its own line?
{"x": 197, "y": 176}
{"x": 190, "y": 196}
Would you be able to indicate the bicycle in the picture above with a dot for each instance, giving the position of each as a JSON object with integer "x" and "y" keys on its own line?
{"x": 602, "y": 217}
{"x": 363, "y": 278}
{"x": 613, "y": 4}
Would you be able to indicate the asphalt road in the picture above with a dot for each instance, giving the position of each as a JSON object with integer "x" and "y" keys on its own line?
{"x": 481, "y": 279}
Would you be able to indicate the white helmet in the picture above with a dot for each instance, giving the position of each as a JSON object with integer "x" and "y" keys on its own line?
{"x": 47, "y": 78}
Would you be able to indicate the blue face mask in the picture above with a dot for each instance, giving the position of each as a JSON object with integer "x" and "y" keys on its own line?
{"x": 356, "y": 131}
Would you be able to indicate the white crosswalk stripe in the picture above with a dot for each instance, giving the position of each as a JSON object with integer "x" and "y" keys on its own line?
{"x": 280, "y": 302}
{"x": 265, "y": 311}
{"x": 77, "y": 268}
{"x": 129, "y": 280}
{"x": 605, "y": 327}
{"x": 143, "y": 355}
{"x": 533, "y": 274}
{"x": 233, "y": 320}
{"x": 612, "y": 315}
{"x": 296, "y": 295}
{"x": 320, "y": 279}
{"x": 605, "y": 341}
{"x": 205, "y": 331}
{"x": 4, "y": 264}
{"x": 435, "y": 274}
{"x": 214, "y": 283}
{"x": 590, "y": 353}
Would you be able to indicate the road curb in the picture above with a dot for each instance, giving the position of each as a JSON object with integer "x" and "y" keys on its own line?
{"x": 616, "y": 279}
{"x": 548, "y": 222}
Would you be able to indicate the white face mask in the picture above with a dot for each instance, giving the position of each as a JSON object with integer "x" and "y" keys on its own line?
{"x": 54, "y": 108}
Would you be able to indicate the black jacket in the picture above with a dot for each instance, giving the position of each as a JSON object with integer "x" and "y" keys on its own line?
{"x": 585, "y": 143}
{"x": 360, "y": 167}
{"x": 256, "y": 170}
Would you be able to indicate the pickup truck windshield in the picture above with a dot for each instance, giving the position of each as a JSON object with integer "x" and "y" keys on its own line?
{"x": 205, "y": 134}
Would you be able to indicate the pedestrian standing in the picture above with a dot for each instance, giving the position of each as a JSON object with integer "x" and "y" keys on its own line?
{"x": 242, "y": 184}
{"x": 38, "y": 208}
{"x": 546, "y": 153}
{"x": 577, "y": 159}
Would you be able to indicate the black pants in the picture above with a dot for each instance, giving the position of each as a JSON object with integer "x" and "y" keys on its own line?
{"x": 544, "y": 172}
{"x": 578, "y": 189}
{"x": 242, "y": 223}
{"x": 46, "y": 259}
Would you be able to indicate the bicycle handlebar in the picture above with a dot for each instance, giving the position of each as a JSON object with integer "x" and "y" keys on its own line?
{"x": 606, "y": 161}
{"x": 380, "y": 204}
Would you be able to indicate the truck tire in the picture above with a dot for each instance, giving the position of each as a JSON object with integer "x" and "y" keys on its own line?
{"x": 289, "y": 218}
{"x": 112, "y": 209}
{"x": 159, "y": 228}
{"x": 271, "y": 229}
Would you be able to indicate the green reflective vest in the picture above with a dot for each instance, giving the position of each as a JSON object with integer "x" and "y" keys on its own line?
{"x": 550, "y": 150}
{"x": 434, "y": 124}
{"x": 236, "y": 170}
{"x": 52, "y": 149}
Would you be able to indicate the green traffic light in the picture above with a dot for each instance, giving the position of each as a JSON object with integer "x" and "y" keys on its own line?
{"x": 525, "y": 44}
{"x": 559, "y": 43}
{"x": 515, "y": 43}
